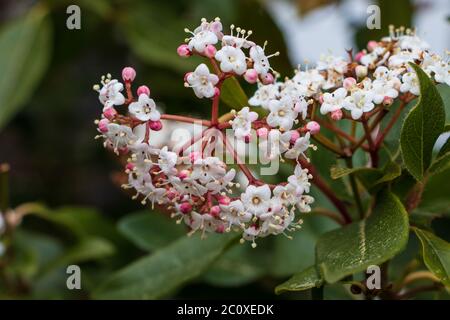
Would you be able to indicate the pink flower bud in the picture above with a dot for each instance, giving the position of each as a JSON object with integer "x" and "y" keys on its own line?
{"x": 103, "y": 125}
{"x": 183, "y": 174}
{"x": 224, "y": 200}
{"x": 128, "y": 74}
{"x": 214, "y": 211}
{"x": 171, "y": 195}
{"x": 267, "y": 79}
{"x": 321, "y": 99}
{"x": 336, "y": 115}
{"x": 220, "y": 228}
{"x": 143, "y": 90}
{"x": 186, "y": 75}
{"x": 251, "y": 76}
{"x": 185, "y": 207}
{"x": 359, "y": 55}
{"x": 109, "y": 113}
{"x": 194, "y": 155}
{"x": 294, "y": 136}
{"x": 349, "y": 82}
{"x": 371, "y": 45}
{"x": 247, "y": 138}
{"x": 210, "y": 51}
{"x": 130, "y": 166}
{"x": 183, "y": 51}
{"x": 262, "y": 132}
{"x": 123, "y": 150}
{"x": 216, "y": 92}
{"x": 387, "y": 101}
{"x": 313, "y": 127}
{"x": 155, "y": 125}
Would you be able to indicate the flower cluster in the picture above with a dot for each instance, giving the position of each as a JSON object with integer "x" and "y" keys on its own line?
{"x": 196, "y": 186}
{"x": 372, "y": 77}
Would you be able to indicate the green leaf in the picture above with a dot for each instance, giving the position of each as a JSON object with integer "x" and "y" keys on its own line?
{"x": 232, "y": 94}
{"x": 340, "y": 172}
{"x": 440, "y": 164}
{"x": 24, "y": 56}
{"x": 304, "y": 280}
{"x": 422, "y": 127}
{"x": 150, "y": 230}
{"x": 436, "y": 254}
{"x": 158, "y": 274}
{"x": 353, "y": 248}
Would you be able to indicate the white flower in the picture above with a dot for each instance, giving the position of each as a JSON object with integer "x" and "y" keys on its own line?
{"x": 234, "y": 214}
{"x": 231, "y": 60}
{"x": 260, "y": 60}
{"x": 204, "y": 35}
{"x": 282, "y": 113}
{"x": 152, "y": 194}
{"x": 109, "y": 94}
{"x": 202, "y": 81}
{"x": 221, "y": 183}
{"x": 256, "y": 199}
{"x": 333, "y": 101}
{"x": 441, "y": 72}
{"x": 402, "y": 58}
{"x": 264, "y": 95}
{"x": 197, "y": 221}
{"x": 275, "y": 144}
{"x": 299, "y": 181}
{"x": 382, "y": 89}
{"x": 144, "y": 109}
{"x": 300, "y": 146}
{"x": 239, "y": 40}
{"x": 304, "y": 204}
{"x": 242, "y": 122}
{"x": 330, "y": 62}
{"x": 358, "y": 102}
{"x": 311, "y": 80}
{"x": 187, "y": 186}
{"x": 167, "y": 161}
{"x": 301, "y": 106}
{"x": 120, "y": 136}
{"x": 208, "y": 169}
{"x": 410, "y": 83}
{"x": 413, "y": 43}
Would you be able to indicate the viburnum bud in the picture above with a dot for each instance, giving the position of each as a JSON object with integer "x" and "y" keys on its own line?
{"x": 247, "y": 138}
{"x": 109, "y": 113}
{"x": 251, "y": 76}
{"x": 361, "y": 71}
{"x": 185, "y": 207}
{"x": 210, "y": 51}
{"x": 224, "y": 200}
{"x": 294, "y": 136}
{"x": 183, "y": 51}
{"x": 387, "y": 101}
{"x": 128, "y": 74}
{"x": 262, "y": 132}
{"x": 130, "y": 166}
{"x": 220, "y": 228}
{"x": 171, "y": 195}
{"x": 186, "y": 75}
{"x": 313, "y": 127}
{"x": 155, "y": 125}
{"x": 349, "y": 82}
{"x": 371, "y": 45}
{"x": 183, "y": 174}
{"x": 103, "y": 125}
{"x": 216, "y": 92}
{"x": 143, "y": 90}
{"x": 336, "y": 115}
{"x": 321, "y": 99}
{"x": 267, "y": 79}
{"x": 359, "y": 55}
{"x": 214, "y": 211}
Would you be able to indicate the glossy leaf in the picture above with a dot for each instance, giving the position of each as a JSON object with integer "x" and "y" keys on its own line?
{"x": 436, "y": 254}
{"x": 150, "y": 230}
{"x": 353, "y": 248}
{"x": 304, "y": 280}
{"x": 160, "y": 273}
{"x": 440, "y": 164}
{"x": 24, "y": 56}
{"x": 422, "y": 127}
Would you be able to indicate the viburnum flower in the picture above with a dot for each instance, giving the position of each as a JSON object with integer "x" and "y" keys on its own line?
{"x": 264, "y": 95}
{"x": 256, "y": 199}
{"x": 231, "y": 59}
{"x": 260, "y": 60}
{"x": 410, "y": 83}
{"x": 208, "y": 33}
{"x": 110, "y": 93}
{"x": 242, "y": 122}
{"x": 358, "y": 102}
{"x": 202, "y": 81}
{"x": 144, "y": 109}
{"x": 301, "y": 145}
{"x": 282, "y": 113}
{"x": 333, "y": 101}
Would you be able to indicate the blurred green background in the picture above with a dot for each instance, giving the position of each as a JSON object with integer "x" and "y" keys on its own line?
{"x": 47, "y": 109}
